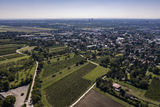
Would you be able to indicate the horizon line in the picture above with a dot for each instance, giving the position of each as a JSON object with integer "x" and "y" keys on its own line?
{"x": 77, "y": 18}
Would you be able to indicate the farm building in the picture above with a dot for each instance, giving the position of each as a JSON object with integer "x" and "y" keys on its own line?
{"x": 116, "y": 86}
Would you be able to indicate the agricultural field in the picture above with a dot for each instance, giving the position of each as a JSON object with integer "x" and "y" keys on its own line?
{"x": 6, "y": 41}
{"x": 153, "y": 91}
{"x": 50, "y": 80}
{"x": 61, "y": 57}
{"x": 70, "y": 87}
{"x": 16, "y": 71}
{"x": 96, "y": 99}
{"x": 23, "y": 75}
{"x": 54, "y": 67}
{"x": 9, "y": 48}
{"x": 10, "y": 56}
{"x": 57, "y": 68}
{"x": 111, "y": 97}
{"x": 59, "y": 75}
{"x": 63, "y": 71}
{"x": 57, "y": 49}
{"x": 23, "y": 29}
{"x": 13, "y": 59}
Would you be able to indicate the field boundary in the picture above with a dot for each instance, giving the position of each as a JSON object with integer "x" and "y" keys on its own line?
{"x": 88, "y": 89}
{"x": 28, "y": 102}
{"x": 82, "y": 95}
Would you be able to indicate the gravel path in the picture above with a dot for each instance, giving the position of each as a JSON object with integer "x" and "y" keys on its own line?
{"x": 28, "y": 102}
{"x": 83, "y": 95}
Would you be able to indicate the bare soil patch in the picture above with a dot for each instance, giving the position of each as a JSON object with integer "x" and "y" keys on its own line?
{"x": 95, "y": 99}
{"x": 19, "y": 93}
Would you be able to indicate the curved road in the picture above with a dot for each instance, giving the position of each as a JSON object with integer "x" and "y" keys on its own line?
{"x": 17, "y": 51}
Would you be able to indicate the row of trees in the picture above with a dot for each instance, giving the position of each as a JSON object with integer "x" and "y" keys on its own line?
{"x": 36, "y": 93}
{"x": 121, "y": 69}
{"x": 39, "y": 54}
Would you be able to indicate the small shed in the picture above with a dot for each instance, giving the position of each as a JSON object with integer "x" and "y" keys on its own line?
{"x": 116, "y": 86}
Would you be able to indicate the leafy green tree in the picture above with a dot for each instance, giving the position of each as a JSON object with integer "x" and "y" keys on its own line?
{"x": 143, "y": 84}
{"x": 9, "y": 101}
{"x": 6, "y": 85}
{"x": 36, "y": 96}
{"x": 122, "y": 92}
{"x": 155, "y": 70}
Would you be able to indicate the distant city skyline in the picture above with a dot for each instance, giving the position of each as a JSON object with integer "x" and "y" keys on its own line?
{"x": 55, "y": 9}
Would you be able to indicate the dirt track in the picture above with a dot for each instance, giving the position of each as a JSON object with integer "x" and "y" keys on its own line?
{"x": 28, "y": 102}
{"x": 95, "y": 99}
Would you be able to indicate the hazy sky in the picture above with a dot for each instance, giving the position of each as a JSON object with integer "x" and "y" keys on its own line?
{"x": 79, "y": 9}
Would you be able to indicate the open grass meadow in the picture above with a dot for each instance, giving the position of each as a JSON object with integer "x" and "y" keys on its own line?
{"x": 154, "y": 90}
{"x": 70, "y": 87}
{"x": 96, "y": 73}
{"x": 28, "y": 48}
{"x": 54, "y": 67}
{"x": 57, "y": 49}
